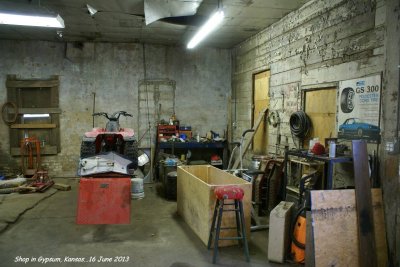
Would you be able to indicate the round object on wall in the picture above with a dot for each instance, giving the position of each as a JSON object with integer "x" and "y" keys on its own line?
{"x": 347, "y": 100}
{"x": 273, "y": 119}
{"x": 9, "y": 112}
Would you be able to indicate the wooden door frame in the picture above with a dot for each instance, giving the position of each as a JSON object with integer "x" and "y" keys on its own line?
{"x": 253, "y": 106}
{"x": 317, "y": 87}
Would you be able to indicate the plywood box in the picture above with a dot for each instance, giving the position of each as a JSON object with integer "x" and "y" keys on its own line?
{"x": 196, "y": 200}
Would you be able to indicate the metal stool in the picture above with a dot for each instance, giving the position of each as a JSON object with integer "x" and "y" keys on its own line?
{"x": 236, "y": 194}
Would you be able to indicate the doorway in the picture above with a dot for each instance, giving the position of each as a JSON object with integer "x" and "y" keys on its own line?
{"x": 260, "y": 101}
{"x": 320, "y": 106}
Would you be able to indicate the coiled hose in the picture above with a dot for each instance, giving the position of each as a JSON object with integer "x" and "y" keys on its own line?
{"x": 300, "y": 124}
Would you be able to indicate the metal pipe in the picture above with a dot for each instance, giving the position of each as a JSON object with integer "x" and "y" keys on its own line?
{"x": 94, "y": 106}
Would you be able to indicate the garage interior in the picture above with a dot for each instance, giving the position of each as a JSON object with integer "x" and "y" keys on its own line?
{"x": 121, "y": 144}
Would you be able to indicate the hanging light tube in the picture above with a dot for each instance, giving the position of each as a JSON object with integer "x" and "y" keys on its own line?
{"x": 28, "y": 20}
{"x": 206, "y": 29}
{"x": 92, "y": 11}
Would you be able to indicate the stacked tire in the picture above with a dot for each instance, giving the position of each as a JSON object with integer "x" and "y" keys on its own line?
{"x": 170, "y": 186}
{"x": 88, "y": 149}
{"x": 131, "y": 152}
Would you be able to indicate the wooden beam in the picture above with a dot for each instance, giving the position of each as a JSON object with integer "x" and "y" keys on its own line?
{"x": 250, "y": 139}
{"x": 367, "y": 252}
{"x": 39, "y": 110}
{"x": 62, "y": 187}
{"x": 46, "y": 150}
{"x": 34, "y": 126}
{"x": 32, "y": 83}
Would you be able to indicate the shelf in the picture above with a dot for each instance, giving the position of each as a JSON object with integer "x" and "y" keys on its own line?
{"x": 199, "y": 151}
{"x": 306, "y": 162}
{"x": 46, "y": 150}
{"x": 39, "y": 110}
{"x": 34, "y": 126}
{"x": 293, "y": 189}
{"x": 191, "y": 145}
{"x": 328, "y": 163}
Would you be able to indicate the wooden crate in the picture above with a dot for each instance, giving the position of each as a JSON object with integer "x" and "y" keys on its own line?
{"x": 196, "y": 200}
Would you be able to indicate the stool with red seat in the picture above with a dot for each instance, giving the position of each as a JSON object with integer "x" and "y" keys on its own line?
{"x": 236, "y": 194}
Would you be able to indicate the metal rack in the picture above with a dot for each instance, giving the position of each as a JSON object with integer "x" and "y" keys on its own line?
{"x": 327, "y": 161}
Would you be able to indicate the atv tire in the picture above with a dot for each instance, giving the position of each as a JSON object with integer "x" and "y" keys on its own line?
{"x": 88, "y": 149}
{"x": 131, "y": 152}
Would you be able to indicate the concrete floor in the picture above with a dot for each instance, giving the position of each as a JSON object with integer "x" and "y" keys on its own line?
{"x": 157, "y": 236}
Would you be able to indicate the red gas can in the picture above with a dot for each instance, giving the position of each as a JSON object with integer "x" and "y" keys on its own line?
{"x": 104, "y": 201}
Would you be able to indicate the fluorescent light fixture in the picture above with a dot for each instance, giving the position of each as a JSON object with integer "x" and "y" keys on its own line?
{"x": 206, "y": 29}
{"x": 36, "y": 115}
{"x": 91, "y": 10}
{"x": 28, "y": 20}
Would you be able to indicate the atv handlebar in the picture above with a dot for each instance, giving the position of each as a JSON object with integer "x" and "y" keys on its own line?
{"x": 114, "y": 117}
{"x": 101, "y": 114}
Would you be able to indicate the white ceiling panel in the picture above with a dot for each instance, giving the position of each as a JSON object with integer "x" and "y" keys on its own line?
{"x": 124, "y": 21}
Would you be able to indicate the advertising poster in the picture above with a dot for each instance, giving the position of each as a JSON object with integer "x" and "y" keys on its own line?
{"x": 358, "y": 110}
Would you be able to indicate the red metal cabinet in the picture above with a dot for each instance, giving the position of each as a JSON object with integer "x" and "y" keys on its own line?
{"x": 104, "y": 201}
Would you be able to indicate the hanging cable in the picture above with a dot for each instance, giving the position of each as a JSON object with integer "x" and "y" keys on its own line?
{"x": 300, "y": 124}
{"x": 147, "y": 92}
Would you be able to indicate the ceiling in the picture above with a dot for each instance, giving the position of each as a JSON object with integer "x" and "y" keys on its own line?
{"x": 124, "y": 21}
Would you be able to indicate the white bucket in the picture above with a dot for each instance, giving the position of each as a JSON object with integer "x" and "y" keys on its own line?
{"x": 143, "y": 159}
{"x": 137, "y": 190}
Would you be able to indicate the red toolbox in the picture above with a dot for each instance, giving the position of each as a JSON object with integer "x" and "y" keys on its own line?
{"x": 104, "y": 201}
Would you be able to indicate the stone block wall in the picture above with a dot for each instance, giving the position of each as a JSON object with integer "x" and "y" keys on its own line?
{"x": 113, "y": 72}
{"x": 321, "y": 43}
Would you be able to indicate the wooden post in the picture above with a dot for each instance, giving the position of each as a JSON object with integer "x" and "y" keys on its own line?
{"x": 249, "y": 139}
{"x": 366, "y": 237}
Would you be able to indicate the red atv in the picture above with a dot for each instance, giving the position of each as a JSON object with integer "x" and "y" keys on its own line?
{"x": 112, "y": 138}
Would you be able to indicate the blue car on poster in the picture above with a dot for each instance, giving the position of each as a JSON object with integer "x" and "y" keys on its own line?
{"x": 356, "y": 127}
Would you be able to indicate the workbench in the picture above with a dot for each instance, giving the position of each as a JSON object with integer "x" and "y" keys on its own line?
{"x": 328, "y": 162}
{"x": 199, "y": 150}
